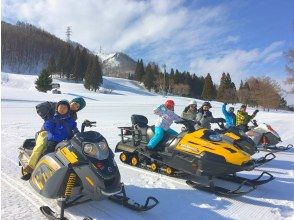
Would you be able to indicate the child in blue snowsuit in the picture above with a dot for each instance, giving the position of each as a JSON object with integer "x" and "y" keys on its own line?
{"x": 61, "y": 126}
{"x": 229, "y": 115}
{"x": 166, "y": 117}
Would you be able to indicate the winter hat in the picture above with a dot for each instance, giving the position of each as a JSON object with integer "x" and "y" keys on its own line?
{"x": 80, "y": 101}
{"x": 63, "y": 102}
{"x": 193, "y": 102}
{"x": 206, "y": 104}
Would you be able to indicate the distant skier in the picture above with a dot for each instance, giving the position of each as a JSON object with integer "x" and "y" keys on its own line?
{"x": 166, "y": 118}
{"x": 243, "y": 118}
{"x": 190, "y": 111}
{"x": 229, "y": 115}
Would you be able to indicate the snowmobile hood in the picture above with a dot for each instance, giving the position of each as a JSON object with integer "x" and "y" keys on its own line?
{"x": 88, "y": 136}
{"x": 196, "y": 143}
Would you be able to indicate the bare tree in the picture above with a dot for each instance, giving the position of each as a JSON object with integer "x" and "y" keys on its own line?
{"x": 264, "y": 92}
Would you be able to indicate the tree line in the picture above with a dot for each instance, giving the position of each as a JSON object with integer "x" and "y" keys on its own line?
{"x": 75, "y": 64}
{"x": 255, "y": 91}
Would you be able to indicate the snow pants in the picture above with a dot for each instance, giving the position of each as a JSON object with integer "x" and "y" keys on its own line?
{"x": 159, "y": 133}
{"x": 39, "y": 148}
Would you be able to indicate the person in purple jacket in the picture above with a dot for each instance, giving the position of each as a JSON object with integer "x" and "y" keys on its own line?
{"x": 166, "y": 118}
{"x": 61, "y": 126}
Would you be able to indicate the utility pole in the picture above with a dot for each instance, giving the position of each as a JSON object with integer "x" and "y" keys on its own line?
{"x": 164, "y": 66}
{"x": 68, "y": 33}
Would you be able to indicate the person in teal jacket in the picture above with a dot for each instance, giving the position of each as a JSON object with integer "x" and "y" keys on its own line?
{"x": 229, "y": 115}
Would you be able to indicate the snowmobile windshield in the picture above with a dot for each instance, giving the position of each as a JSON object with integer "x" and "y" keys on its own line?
{"x": 98, "y": 150}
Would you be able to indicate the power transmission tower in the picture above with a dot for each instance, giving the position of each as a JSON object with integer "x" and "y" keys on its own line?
{"x": 68, "y": 33}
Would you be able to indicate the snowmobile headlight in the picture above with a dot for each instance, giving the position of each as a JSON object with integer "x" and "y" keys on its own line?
{"x": 215, "y": 137}
{"x": 90, "y": 149}
{"x": 98, "y": 150}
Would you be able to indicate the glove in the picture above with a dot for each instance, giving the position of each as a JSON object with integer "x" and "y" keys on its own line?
{"x": 256, "y": 111}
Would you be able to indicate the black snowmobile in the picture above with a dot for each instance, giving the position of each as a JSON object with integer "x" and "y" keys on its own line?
{"x": 235, "y": 136}
{"x": 78, "y": 171}
{"x": 192, "y": 153}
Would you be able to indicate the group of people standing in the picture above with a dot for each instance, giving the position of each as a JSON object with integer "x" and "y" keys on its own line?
{"x": 202, "y": 118}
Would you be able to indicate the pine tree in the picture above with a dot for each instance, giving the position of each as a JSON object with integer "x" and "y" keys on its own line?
{"x": 84, "y": 62}
{"x": 141, "y": 70}
{"x": 69, "y": 61}
{"x": 222, "y": 88}
{"x": 137, "y": 71}
{"x": 209, "y": 90}
{"x": 44, "y": 81}
{"x": 93, "y": 76}
{"x": 77, "y": 69}
{"x": 149, "y": 77}
{"x": 61, "y": 61}
{"x": 52, "y": 68}
{"x": 177, "y": 77}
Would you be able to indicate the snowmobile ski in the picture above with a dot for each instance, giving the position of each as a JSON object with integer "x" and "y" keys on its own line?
{"x": 221, "y": 191}
{"x": 262, "y": 160}
{"x": 50, "y": 214}
{"x": 122, "y": 199}
{"x": 276, "y": 148}
{"x": 255, "y": 182}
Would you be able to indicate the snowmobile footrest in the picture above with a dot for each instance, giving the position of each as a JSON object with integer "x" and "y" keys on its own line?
{"x": 255, "y": 182}
{"x": 222, "y": 191}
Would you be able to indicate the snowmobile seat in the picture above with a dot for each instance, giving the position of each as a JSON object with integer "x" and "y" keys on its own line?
{"x": 141, "y": 131}
{"x": 29, "y": 144}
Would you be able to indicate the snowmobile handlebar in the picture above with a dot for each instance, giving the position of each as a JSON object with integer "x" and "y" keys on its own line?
{"x": 220, "y": 122}
{"x": 88, "y": 123}
{"x": 189, "y": 124}
{"x": 254, "y": 122}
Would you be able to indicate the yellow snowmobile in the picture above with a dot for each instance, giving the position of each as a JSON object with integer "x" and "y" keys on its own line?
{"x": 199, "y": 152}
{"x": 79, "y": 170}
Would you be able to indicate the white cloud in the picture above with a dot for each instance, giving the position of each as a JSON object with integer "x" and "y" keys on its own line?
{"x": 116, "y": 24}
{"x": 239, "y": 63}
{"x": 232, "y": 39}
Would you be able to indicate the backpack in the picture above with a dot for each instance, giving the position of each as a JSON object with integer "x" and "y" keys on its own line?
{"x": 46, "y": 109}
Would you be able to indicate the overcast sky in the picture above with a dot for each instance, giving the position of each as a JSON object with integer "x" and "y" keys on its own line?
{"x": 243, "y": 38}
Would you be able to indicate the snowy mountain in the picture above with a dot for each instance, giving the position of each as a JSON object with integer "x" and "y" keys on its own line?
{"x": 274, "y": 200}
{"x": 117, "y": 64}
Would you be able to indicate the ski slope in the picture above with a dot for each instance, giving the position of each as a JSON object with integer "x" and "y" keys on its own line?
{"x": 274, "y": 200}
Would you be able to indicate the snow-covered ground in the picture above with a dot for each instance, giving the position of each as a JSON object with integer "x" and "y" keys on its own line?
{"x": 274, "y": 200}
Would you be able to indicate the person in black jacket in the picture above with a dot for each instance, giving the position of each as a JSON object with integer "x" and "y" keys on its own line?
{"x": 47, "y": 110}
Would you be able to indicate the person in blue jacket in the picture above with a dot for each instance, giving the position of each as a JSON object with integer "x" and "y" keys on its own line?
{"x": 61, "y": 126}
{"x": 229, "y": 115}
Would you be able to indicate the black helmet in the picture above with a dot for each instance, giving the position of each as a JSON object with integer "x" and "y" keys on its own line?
{"x": 207, "y": 104}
